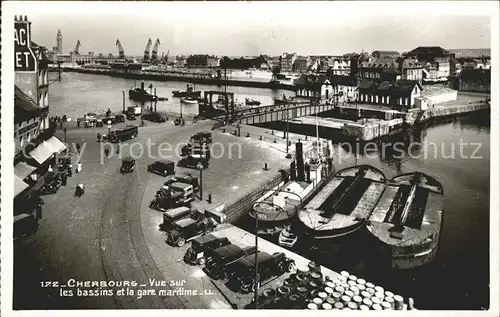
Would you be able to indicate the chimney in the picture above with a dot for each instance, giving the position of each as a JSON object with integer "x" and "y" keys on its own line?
{"x": 299, "y": 156}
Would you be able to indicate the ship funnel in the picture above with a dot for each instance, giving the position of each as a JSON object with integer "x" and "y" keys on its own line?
{"x": 299, "y": 153}
{"x": 307, "y": 169}
{"x": 142, "y": 85}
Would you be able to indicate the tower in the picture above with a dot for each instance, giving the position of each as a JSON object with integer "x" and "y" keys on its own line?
{"x": 59, "y": 42}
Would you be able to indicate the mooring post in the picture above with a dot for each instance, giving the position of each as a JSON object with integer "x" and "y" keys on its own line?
{"x": 209, "y": 198}
{"x": 265, "y": 166}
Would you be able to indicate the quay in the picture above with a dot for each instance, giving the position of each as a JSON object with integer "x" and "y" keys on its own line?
{"x": 180, "y": 77}
{"x": 114, "y": 229}
{"x": 369, "y": 122}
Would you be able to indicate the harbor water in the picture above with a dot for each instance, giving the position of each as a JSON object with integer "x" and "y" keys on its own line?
{"x": 456, "y": 152}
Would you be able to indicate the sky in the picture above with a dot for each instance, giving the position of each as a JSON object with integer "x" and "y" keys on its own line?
{"x": 249, "y": 29}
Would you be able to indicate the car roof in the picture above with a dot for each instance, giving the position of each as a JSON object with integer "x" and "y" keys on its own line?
{"x": 228, "y": 250}
{"x": 205, "y": 239}
{"x": 249, "y": 261}
{"x": 128, "y": 159}
{"x": 185, "y": 222}
{"x": 177, "y": 211}
{"x": 180, "y": 185}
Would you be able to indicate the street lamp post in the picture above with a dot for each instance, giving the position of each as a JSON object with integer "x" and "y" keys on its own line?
{"x": 109, "y": 127}
{"x": 256, "y": 278}
{"x": 65, "y": 131}
{"x": 123, "y": 103}
{"x": 287, "y": 130}
{"x": 199, "y": 166}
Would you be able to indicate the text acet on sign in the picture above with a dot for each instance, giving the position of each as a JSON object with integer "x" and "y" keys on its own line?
{"x": 24, "y": 58}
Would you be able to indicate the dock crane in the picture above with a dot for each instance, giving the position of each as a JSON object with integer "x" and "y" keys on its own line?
{"x": 77, "y": 48}
{"x": 147, "y": 51}
{"x": 121, "y": 53}
{"x": 166, "y": 57}
{"x": 154, "y": 54}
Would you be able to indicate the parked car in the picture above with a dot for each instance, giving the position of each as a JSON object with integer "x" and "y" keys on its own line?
{"x": 188, "y": 229}
{"x": 202, "y": 137}
{"x": 163, "y": 167}
{"x": 167, "y": 202}
{"x": 192, "y": 161}
{"x": 202, "y": 247}
{"x": 99, "y": 123}
{"x": 242, "y": 272}
{"x": 130, "y": 116}
{"x": 187, "y": 179}
{"x": 128, "y": 165}
{"x": 153, "y": 117}
{"x": 172, "y": 215}
{"x": 220, "y": 259}
{"x": 120, "y": 118}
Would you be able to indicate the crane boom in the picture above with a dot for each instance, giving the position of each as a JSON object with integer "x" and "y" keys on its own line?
{"x": 154, "y": 54}
{"x": 121, "y": 53}
{"x": 77, "y": 47}
{"x": 147, "y": 50}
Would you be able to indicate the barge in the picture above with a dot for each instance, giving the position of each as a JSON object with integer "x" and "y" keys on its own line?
{"x": 340, "y": 209}
{"x": 407, "y": 220}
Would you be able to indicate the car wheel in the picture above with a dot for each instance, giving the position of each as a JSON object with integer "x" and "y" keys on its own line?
{"x": 207, "y": 230}
{"x": 291, "y": 267}
{"x": 181, "y": 242}
{"x": 186, "y": 258}
{"x": 202, "y": 261}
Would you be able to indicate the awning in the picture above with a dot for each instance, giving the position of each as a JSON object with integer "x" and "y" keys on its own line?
{"x": 56, "y": 145}
{"x": 19, "y": 185}
{"x": 42, "y": 152}
{"x": 22, "y": 170}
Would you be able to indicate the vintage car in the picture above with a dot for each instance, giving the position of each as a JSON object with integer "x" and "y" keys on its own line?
{"x": 192, "y": 161}
{"x": 202, "y": 247}
{"x": 128, "y": 165}
{"x": 164, "y": 203}
{"x": 153, "y": 117}
{"x": 188, "y": 229}
{"x": 218, "y": 261}
{"x": 162, "y": 167}
{"x": 172, "y": 215}
{"x": 130, "y": 116}
{"x": 186, "y": 179}
{"x": 241, "y": 273}
{"x": 202, "y": 137}
{"x": 120, "y": 118}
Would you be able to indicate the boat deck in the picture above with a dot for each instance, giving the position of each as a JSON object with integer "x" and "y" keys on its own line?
{"x": 421, "y": 226}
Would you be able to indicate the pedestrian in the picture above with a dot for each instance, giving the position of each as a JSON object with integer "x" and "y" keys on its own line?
{"x": 78, "y": 123}
{"x": 98, "y": 137}
{"x": 78, "y": 148}
{"x": 60, "y": 124}
{"x": 106, "y": 152}
{"x": 64, "y": 179}
{"x": 118, "y": 149}
{"x": 78, "y": 167}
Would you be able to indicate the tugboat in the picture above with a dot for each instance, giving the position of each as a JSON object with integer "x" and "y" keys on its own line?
{"x": 278, "y": 206}
{"x": 407, "y": 220}
{"x": 340, "y": 209}
{"x": 189, "y": 92}
{"x": 140, "y": 94}
{"x": 252, "y": 102}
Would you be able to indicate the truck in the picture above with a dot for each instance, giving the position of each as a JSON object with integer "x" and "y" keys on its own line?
{"x": 136, "y": 111}
{"x": 200, "y": 223}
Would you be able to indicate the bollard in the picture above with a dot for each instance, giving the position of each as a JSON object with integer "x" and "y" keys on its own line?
{"x": 272, "y": 132}
{"x": 306, "y": 137}
{"x": 265, "y": 166}
{"x": 248, "y": 134}
{"x": 289, "y": 143}
{"x": 274, "y": 141}
{"x": 260, "y": 138}
{"x": 223, "y": 130}
{"x": 209, "y": 198}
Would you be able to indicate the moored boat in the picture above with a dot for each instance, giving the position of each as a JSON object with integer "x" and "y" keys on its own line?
{"x": 140, "y": 94}
{"x": 407, "y": 220}
{"x": 189, "y": 92}
{"x": 251, "y": 102}
{"x": 339, "y": 209}
{"x": 189, "y": 100}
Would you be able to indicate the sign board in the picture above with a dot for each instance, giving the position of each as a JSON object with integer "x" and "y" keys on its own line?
{"x": 24, "y": 58}
{"x": 109, "y": 126}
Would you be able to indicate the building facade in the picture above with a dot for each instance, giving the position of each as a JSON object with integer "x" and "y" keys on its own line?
{"x": 202, "y": 61}
{"x": 316, "y": 87}
{"x": 476, "y": 80}
{"x": 286, "y": 62}
{"x": 301, "y": 64}
{"x": 34, "y": 141}
{"x": 345, "y": 88}
{"x": 400, "y": 94}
